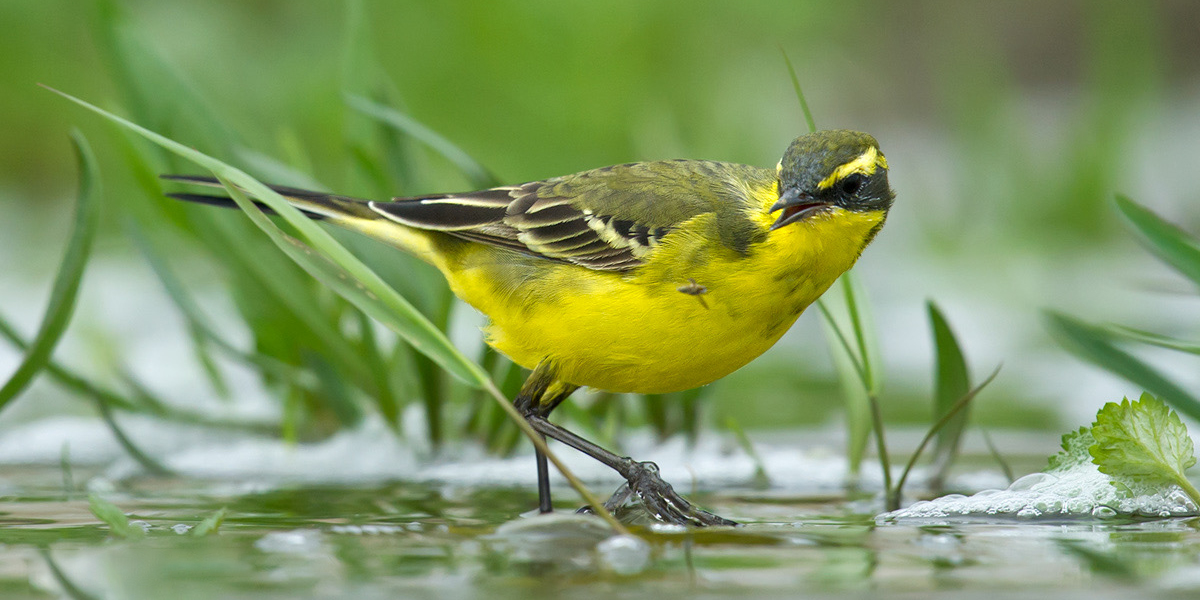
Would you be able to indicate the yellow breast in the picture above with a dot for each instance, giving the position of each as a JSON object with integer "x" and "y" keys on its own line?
{"x": 638, "y": 332}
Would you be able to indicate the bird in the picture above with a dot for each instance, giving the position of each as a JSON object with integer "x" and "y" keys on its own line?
{"x": 644, "y": 277}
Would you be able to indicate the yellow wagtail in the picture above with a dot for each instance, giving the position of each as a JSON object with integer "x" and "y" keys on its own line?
{"x": 646, "y": 277}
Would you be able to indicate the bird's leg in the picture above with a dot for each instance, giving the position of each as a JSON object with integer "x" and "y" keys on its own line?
{"x": 532, "y": 399}
{"x": 543, "y": 471}
{"x": 641, "y": 478}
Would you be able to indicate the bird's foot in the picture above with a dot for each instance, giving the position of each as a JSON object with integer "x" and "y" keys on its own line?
{"x": 659, "y": 498}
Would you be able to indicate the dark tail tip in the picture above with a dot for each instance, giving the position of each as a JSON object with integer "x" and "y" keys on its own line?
{"x": 218, "y": 200}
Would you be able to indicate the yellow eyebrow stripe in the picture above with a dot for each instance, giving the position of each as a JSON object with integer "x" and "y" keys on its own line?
{"x": 865, "y": 164}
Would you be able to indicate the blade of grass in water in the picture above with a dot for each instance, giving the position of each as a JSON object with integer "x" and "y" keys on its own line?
{"x": 853, "y": 358}
{"x": 344, "y": 273}
{"x": 1168, "y": 242}
{"x": 951, "y": 382}
{"x": 1095, "y": 345}
{"x": 893, "y": 497}
{"x": 118, "y": 523}
{"x": 211, "y": 524}
{"x": 63, "y": 295}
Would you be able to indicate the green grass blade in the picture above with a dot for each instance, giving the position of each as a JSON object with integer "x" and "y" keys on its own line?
{"x": 761, "y": 479}
{"x": 148, "y": 463}
{"x": 198, "y": 323}
{"x": 860, "y": 321}
{"x": 1095, "y": 345}
{"x": 70, "y": 275}
{"x": 997, "y": 456}
{"x": 384, "y": 306}
{"x": 69, "y": 588}
{"x": 854, "y": 391}
{"x": 843, "y": 342}
{"x": 77, "y": 384}
{"x": 385, "y": 399}
{"x": 360, "y": 285}
{"x": 808, "y": 117}
{"x": 68, "y": 473}
{"x": 114, "y": 517}
{"x": 959, "y": 405}
{"x": 153, "y": 88}
{"x": 951, "y": 382}
{"x": 211, "y": 524}
{"x": 1168, "y": 242}
{"x": 1154, "y": 339}
{"x": 64, "y": 377}
{"x": 475, "y": 172}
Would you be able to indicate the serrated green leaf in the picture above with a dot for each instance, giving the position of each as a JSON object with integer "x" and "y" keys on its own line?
{"x": 1075, "y": 446}
{"x": 114, "y": 517}
{"x": 1144, "y": 442}
{"x": 1168, "y": 242}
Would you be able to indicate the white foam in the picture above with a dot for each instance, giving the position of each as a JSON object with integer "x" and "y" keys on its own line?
{"x": 1078, "y": 490}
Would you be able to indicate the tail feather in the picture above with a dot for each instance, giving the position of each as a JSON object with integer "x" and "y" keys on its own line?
{"x": 227, "y": 202}
{"x": 316, "y": 205}
{"x": 352, "y": 213}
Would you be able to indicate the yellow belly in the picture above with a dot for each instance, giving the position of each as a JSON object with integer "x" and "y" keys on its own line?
{"x": 636, "y": 332}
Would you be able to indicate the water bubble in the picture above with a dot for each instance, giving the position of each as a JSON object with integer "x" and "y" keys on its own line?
{"x": 180, "y": 528}
{"x": 624, "y": 554}
{"x": 1029, "y": 481}
{"x": 299, "y": 541}
{"x": 667, "y": 528}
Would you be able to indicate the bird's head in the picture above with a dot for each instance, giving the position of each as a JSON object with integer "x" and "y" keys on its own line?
{"x": 831, "y": 169}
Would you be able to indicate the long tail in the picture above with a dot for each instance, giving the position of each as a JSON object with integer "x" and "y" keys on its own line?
{"x": 352, "y": 213}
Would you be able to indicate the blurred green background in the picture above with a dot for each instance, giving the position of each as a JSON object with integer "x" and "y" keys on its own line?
{"x": 1008, "y": 127}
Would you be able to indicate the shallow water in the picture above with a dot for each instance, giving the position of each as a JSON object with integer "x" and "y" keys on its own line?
{"x": 433, "y": 540}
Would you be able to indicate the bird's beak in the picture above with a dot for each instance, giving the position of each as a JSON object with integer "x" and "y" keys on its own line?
{"x": 795, "y": 205}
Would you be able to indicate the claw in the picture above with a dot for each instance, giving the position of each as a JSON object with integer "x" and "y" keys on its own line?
{"x": 660, "y": 499}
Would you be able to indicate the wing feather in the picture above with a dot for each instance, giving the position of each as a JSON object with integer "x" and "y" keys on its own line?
{"x": 609, "y": 219}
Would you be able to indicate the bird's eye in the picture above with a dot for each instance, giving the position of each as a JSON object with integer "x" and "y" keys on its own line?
{"x": 851, "y": 184}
